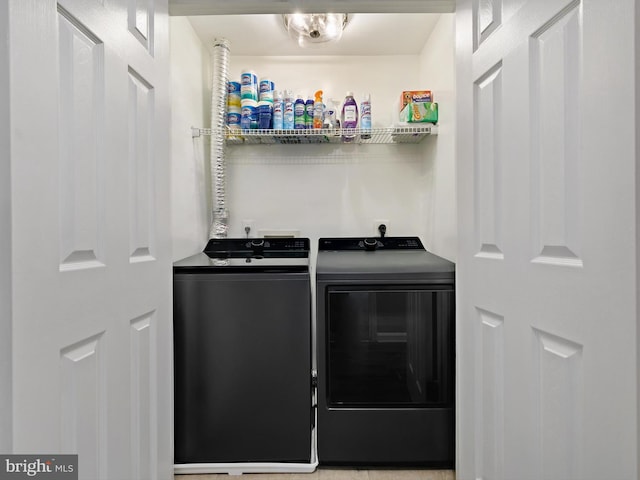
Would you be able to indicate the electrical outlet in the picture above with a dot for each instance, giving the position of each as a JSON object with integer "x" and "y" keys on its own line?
{"x": 248, "y": 224}
{"x": 377, "y": 223}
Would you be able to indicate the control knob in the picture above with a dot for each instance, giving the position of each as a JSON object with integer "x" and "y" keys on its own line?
{"x": 370, "y": 244}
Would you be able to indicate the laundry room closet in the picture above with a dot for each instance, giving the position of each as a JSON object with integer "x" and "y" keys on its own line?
{"x": 315, "y": 190}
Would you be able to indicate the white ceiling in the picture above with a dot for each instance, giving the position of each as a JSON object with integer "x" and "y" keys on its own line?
{"x": 234, "y": 7}
{"x": 365, "y": 34}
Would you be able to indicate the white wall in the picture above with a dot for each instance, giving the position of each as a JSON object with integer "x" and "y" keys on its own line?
{"x": 6, "y": 409}
{"x": 336, "y": 190}
{"x": 320, "y": 190}
{"x": 437, "y": 71}
{"x": 190, "y": 106}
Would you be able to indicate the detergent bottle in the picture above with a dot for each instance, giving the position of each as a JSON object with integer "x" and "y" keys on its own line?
{"x": 349, "y": 118}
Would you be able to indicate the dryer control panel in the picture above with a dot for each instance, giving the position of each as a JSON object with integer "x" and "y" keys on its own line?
{"x": 370, "y": 243}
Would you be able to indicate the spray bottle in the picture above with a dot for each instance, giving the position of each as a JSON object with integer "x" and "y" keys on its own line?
{"x": 308, "y": 113}
{"x": 288, "y": 120}
{"x": 365, "y": 117}
{"x": 299, "y": 114}
{"x": 318, "y": 110}
{"x": 278, "y": 110}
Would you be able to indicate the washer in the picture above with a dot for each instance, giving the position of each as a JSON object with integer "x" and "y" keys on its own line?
{"x": 242, "y": 353}
{"x": 386, "y": 361}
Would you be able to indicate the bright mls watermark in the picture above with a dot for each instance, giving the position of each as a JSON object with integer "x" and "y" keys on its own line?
{"x": 49, "y": 467}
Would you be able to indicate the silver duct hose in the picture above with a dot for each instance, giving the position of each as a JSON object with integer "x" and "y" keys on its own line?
{"x": 220, "y": 77}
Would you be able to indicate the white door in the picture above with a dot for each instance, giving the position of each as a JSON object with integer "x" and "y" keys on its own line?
{"x": 547, "y": 315}
{"x": 91, "y": 249}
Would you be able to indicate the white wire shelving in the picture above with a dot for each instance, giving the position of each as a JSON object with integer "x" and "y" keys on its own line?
{"x": 390, "y": 135}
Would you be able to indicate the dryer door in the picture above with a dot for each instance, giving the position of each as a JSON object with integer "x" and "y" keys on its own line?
{"x": 390, "y": 346}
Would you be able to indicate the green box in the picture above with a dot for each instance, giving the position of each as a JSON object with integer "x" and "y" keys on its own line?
{"x": 420, "y": 112}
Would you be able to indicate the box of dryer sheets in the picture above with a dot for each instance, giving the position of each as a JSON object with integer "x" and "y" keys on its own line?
{"x": 418, "y": 112}
{"x": 415, "y": 96}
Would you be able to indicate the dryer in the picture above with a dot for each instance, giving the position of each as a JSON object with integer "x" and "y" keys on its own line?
{"x": 385, "y": 346}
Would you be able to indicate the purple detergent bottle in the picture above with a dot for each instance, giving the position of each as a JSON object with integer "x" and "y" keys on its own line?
{"x": 349, "y": 118}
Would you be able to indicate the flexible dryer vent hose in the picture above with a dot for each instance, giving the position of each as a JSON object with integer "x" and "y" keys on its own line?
{"x": 220, "y": 77}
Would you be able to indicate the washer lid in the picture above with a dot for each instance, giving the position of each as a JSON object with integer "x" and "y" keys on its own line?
{"x": 202, "y": 263}
{"x": 228, "y": 255}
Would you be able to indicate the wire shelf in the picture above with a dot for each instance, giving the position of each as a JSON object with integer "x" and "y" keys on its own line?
{"x": 391, "y": 135}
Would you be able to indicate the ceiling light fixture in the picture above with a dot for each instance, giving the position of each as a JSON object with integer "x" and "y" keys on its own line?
{"x": 312, "y": 28}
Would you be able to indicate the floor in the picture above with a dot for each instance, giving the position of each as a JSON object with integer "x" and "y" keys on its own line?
{"x": 334, "y": 474}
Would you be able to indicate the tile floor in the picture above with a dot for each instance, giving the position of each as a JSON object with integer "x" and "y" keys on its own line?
{"x": 334, "y": 474}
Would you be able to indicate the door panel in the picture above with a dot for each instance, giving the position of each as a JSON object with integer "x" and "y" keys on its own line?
{"x": 141, "y": 102}
{"x": 81, "y": 144}
{"x": 140, "y": 15}
{"x": 144, "y": 391}
{"x": 546, "y": 272}
{"x": 489, "y": 394}
{"x": 92, "y": 268}
{"x": 555, "y": 57}
{"x": 84, "y": 404}
{"x": 488, "y": 180}
{"x": 558, "y": 391}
